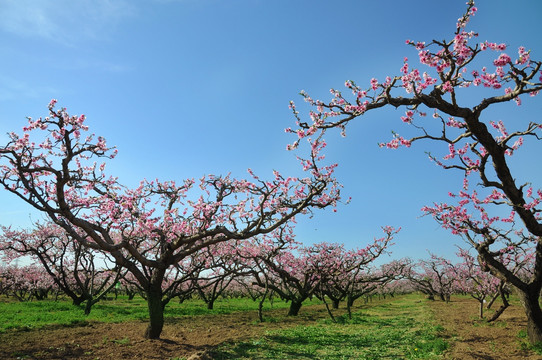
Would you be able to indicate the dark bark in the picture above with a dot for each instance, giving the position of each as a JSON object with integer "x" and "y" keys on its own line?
{"x": 156, "y": 313}
{"x": 327, "y": 307}
{"x": 529, "y": 300}
{"x": 490, "y": 303}
{"x": 260, "y": 304}
{"x": 294, "y": 308}
{"x": 504, "y": 305}
{"x": 78, "y": 300}
{"x": 498, "y": 313}
{"x": 88, "y": 306}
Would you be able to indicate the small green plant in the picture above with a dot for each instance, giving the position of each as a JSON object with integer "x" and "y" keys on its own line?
{"x": 525, "y": 345}
{"x": 19, "y": 355}
{"x": 33, "y": 315}
{"x": 402, "y": 330}
{"x": 123, "y": 341}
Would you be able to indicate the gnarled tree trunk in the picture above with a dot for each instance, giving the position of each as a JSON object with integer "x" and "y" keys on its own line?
{"x": 294, "y": 308}
{"x": 156, "y": 312}
{"x": 529, "y": 299}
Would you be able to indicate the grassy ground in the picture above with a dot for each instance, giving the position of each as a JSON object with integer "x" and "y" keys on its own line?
{"x": 403, "y": 329}
{"x": 46, "y": 313}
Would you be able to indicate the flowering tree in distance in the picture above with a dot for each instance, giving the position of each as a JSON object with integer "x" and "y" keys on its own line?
{"x": 72, "y": 267}
{"x": 25, "y": 282}
{"x": 476, "y": 145}
{"x": 354, "y": 275}
{"x": 53, "y": 166}
{"x": 435, "y": 276}
{"x": 471, "y": 279}
{"x": 284, "y": 268}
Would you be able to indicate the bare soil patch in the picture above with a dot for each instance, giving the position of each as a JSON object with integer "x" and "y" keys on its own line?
{"x": 472, "y": 338}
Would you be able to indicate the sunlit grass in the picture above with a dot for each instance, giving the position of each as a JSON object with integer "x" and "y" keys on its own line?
{"x": 525, "y": 345}
{"x": 402, "y": 329}
{"x": 47, "y": 313}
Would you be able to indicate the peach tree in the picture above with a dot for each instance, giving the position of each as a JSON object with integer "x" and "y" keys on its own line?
{"x": 447, "y": 100}
{"x": 58, "y": 167}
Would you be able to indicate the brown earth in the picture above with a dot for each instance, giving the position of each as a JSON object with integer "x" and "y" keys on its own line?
{"x": 189, "y": 337}
{"x": 473, "y": 338}
{"x": 192, "y": 337}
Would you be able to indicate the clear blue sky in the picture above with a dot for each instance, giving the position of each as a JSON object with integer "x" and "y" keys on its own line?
{"x": 191, "y": 87}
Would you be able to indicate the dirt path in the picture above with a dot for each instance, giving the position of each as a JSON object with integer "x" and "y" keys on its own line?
{"x": 475, "y": 339}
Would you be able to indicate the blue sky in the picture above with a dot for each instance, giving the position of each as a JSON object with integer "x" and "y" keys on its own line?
{"x": 191, "y": 87}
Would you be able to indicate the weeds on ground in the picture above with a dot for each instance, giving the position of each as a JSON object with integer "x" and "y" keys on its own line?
{"x": 402, "y": 329}
{"x": 49, "y": 313}
{"x": 525, "y": 345}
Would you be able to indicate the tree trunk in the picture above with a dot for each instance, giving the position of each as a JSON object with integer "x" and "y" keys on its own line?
{"x": 350, "y": 301}
{"x": 503, "y": 307}
{"x": 88, "y": 306}
{"x": 335, "y": 304}
{"x": 210, "y": 304}
{"x": 294, "y": 308}
{"x": 490, "y": 304}
{"x": 78, "y": 300}
{"x": 498, "y": 312}
{"x": 260, "y": 304}
{"x": 530, "y": 303}
{"x": 156, "y": 313}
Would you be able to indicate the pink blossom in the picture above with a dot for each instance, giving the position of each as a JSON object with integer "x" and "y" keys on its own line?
{"x": 502, "y": 60}
{"x": 374, "y": 84}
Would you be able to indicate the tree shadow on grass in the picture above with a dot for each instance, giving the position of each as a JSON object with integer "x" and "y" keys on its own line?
{"x": 256, "y": 350}
{"x": 315, "y": 342}
{"x": 295, "y": 345}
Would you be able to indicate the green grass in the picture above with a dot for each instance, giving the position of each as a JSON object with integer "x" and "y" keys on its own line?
{"x": 50, "y": 313}
{"x": 525, "y": 345}
{"x": 403, "y": 329}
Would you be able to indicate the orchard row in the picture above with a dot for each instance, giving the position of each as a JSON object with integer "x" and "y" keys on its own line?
{"x": 261, "y": 269}
{"x": 164, "y": 236}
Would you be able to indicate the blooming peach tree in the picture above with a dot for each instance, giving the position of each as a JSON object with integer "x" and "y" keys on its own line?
{"x": 58, "y": 168}
{"x": 25, "y": 282}
{"x": 355, "y": 275}
{"x": 473, "y": 280}
{"x": 435, "y": 276}
{"x": 296, "y": 272}
{"x": 284, "y": 268}
{"x": 81, "y": 273}
{"x": 437, "y": 99}
{"x": 222, "y": 267}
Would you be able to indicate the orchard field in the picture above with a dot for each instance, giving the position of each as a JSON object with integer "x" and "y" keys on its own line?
{"x": 400, "y": 327}
{"x": 221, "y": 266}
